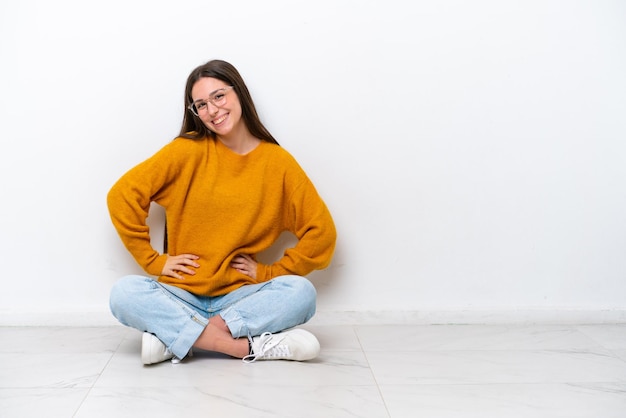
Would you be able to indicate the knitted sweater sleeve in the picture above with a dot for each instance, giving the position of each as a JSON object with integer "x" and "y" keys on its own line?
{"x": 129, "y": 204}
{"x": 309, "y": 219}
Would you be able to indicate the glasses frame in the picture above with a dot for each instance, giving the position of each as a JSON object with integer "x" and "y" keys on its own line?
{"x": 192, "y": 107}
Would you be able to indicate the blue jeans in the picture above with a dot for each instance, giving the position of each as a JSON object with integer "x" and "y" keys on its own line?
{"x": 178, "y": 317}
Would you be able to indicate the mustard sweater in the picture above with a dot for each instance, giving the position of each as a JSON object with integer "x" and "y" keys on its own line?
{"x": 219, "y": 204}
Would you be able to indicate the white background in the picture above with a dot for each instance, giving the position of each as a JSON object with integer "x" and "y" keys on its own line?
{"x": 473, "y": 153}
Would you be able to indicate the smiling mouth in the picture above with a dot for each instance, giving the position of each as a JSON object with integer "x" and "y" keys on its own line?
{"x": 220, "y": 119}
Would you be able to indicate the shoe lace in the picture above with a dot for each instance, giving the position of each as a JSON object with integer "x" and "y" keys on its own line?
{"x": 268, "y": 347}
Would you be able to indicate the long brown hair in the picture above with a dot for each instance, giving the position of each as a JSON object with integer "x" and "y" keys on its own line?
{"x": 193, "y": 128}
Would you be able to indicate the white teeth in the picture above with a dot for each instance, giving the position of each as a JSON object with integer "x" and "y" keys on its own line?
{"x": 220, "y": 120}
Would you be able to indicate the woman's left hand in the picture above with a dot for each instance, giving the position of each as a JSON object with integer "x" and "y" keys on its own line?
{"x": 245, "y": 264}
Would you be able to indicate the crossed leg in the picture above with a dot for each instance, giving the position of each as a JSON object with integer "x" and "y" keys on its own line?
{"x": 217, "y": 337}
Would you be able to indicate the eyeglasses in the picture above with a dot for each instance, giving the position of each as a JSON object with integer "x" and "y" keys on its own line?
{"x": 218, "y": 98}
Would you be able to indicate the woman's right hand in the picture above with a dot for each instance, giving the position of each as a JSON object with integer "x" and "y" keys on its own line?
{"x": 176, "y": 264}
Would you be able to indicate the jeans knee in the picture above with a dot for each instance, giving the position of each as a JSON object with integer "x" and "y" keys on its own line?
{"x": 309, "y": 293}
{"x": 123, "y": 295}
{"x": 304, "y": 293}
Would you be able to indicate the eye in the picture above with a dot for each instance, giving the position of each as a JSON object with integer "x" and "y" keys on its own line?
{"x": 201, "y": 105}
{"x": 218, "y": 97}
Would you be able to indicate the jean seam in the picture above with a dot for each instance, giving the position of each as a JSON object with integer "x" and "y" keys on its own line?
{"x": 191, "y": 312}
{"x": 193, "y": 316}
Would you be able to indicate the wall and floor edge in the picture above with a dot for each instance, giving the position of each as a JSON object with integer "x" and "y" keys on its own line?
{"x": 101, "y": 318}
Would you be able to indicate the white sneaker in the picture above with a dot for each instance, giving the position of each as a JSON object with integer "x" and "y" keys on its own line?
{"x": 296, "y": 344}
{"x": 153, "y": 350}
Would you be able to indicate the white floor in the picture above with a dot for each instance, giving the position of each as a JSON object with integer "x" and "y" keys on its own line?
{"x": 363, "y": 371}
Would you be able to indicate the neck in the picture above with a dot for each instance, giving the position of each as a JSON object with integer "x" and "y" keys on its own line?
{"x": 240, "y": 144}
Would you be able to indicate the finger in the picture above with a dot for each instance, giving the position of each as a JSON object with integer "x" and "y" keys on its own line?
{"x": 172, "y": 273}
{"x": 188, "y": 262}
{"x": 174, "y": 270}
{"x": 181, "y": 268}
{"x": 185, "y": 260}
{"x": 239, "y": 259}
{"x": 189, "y": 256}
{"x": 239, "y": 267}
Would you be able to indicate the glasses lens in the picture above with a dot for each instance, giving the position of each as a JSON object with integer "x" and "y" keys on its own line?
{"x": 219, "y": 98}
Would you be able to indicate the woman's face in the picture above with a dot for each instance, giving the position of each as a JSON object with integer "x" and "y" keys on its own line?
{"x": 217, "y": 104}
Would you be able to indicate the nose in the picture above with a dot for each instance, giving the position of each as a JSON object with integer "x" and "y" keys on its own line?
{"x": 212, "y": 109}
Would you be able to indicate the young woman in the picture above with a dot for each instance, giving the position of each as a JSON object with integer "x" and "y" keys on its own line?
{"x": 229, "y": 190}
